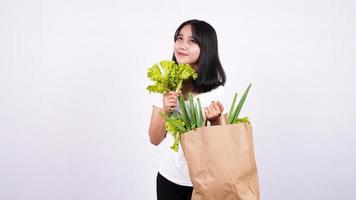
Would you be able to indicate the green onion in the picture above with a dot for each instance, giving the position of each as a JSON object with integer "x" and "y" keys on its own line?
{"x": 184, "y": 111}
{"x": 234, "y": 115}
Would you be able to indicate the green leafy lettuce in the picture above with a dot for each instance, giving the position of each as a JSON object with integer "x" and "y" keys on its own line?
{"x": 169, "y": 76}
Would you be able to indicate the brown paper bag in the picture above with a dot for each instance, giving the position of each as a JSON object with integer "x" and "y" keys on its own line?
{"x": 221, "y": 162}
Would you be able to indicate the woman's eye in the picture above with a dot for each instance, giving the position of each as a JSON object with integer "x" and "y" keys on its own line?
{"x": 192, "y": 41}
{"x": 179, "y": 38}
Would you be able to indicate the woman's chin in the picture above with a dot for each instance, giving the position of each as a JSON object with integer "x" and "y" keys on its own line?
{"x": 182, "y": 61}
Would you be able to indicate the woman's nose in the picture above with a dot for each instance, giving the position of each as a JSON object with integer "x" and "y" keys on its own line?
{"x": 183, "y": 46}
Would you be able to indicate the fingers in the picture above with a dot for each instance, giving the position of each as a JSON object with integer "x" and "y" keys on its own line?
{"x": 214, "y": 110}
{"x": 208, "y": 111}
{"x": 171, "y": 93}
{"x": 173, "y": 101}
{"x": 171, "y": 96}
{"x": 215, "y": 107}
{"x": 170, "y": 101}
{"x": 170, "y": 106}
{"x": 221, "y": 107}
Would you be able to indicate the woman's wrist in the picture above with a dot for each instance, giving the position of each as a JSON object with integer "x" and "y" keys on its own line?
{"x": 214, "y": 122}
{"x": 220, "y": 120}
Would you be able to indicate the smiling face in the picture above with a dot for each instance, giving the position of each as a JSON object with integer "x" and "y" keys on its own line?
{"x": 186, "y": 49}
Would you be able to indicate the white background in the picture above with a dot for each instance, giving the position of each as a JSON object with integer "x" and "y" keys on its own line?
{"x": 74, "y": 111}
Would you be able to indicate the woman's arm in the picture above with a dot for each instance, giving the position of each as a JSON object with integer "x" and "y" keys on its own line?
{"x": 157, "y": 130}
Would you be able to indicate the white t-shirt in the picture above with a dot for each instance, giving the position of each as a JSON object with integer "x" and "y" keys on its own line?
{"x": 173, "y": 165}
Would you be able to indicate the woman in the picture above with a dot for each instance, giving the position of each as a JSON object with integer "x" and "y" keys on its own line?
{"x": 195, "y": 44}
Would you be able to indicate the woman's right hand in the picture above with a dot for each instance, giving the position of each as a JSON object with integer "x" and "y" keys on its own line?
{"x": 170, "y": 101}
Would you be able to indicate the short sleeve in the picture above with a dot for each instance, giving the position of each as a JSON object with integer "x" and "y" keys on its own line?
{"x": 156, "y": 99}
{"x": 217, "y": 94}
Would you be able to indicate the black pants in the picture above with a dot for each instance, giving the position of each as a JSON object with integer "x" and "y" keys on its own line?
{"x": 167, "y": 190}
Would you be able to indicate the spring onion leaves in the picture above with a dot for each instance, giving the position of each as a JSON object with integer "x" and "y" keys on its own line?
{"x": 234, "y": 112}
{"x": 187, "y": 118}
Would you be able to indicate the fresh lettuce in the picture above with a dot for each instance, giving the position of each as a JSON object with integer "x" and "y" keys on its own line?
{"x": 169, "y": 76}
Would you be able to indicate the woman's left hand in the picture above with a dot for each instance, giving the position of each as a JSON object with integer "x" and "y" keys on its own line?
{"x": 213, "y": 112}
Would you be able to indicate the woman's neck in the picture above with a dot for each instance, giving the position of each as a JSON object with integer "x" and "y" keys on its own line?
{"x": 187, "y": 88}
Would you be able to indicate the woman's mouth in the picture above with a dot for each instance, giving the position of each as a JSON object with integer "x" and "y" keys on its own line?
{"x": 180, "y": 54}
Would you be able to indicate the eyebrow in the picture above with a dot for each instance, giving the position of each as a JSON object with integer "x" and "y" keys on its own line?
{"x": 192, "y": 37}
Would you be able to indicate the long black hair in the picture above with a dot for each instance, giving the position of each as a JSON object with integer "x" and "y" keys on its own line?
{"x": 210, "y": 71}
